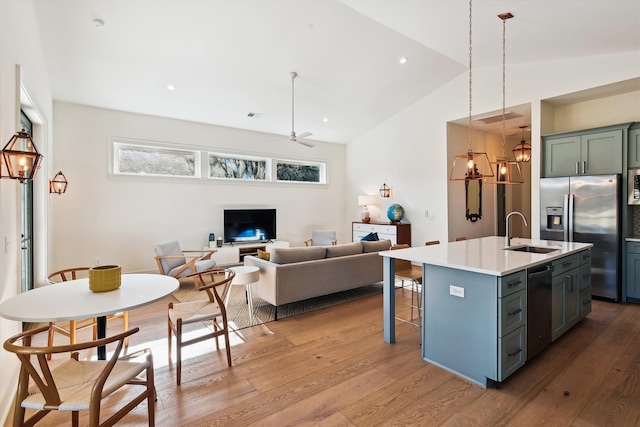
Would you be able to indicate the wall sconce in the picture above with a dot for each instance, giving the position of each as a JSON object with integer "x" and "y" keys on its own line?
{"x": 365, "y": 201}
{"x": 385, "y": 191}
{"x": 21, "y": 157}
{"x": 58, "y": 184}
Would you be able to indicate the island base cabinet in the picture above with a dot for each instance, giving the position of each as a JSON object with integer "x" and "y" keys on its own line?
{"x": 460, "y": 333}
{"x": 565, "y": 302}
{"x": 511, "y": 349}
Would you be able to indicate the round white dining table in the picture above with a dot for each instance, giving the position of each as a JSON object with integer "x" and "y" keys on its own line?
{"x": 74, "y": 300}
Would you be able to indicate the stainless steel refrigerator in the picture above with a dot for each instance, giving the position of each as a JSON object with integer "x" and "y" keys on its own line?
{"x": 587, "y": 209}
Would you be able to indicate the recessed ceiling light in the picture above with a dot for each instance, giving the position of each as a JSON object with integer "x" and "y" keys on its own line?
{"x": 171, "y": 87}
{"x": 99, "y": 23}
{"x": 403, "y": 60}
{"x": 254, "y": 115}
{"x": 325, "y": 120}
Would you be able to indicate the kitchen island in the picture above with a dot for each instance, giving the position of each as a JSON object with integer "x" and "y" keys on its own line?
{"x": 475, "y": 299}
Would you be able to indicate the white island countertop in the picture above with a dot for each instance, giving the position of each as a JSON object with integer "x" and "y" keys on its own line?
{"x": 486, "y": 255}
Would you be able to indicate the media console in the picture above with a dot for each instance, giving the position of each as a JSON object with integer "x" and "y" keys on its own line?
{"x": 234, "y": 254}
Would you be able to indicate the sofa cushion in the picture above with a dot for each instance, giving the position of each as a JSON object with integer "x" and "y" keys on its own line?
{"x": 371, "y": 237}
{"x": 344, "y": 249}
{"x": 291, "y": 255}
{"x": 380, "y": 245}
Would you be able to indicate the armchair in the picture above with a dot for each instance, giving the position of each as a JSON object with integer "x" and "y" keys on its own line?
{"x": 322, "y": 238}
{"x": 173, "y": 261}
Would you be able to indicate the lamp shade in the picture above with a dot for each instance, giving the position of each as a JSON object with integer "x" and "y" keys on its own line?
{"x": 21, "y": 157}
{"x": 366, "y": 200}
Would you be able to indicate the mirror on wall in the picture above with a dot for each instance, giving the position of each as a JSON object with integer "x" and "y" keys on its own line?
{"x": 473, "y": 193}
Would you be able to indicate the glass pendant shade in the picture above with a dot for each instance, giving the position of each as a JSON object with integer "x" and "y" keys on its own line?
{"x": 21, "y": 157}
{"x": 522, "y": 152}
{"x": 58, "y": 184}
{"x": 507, "y": 172}
{"x": 470, "y": 166}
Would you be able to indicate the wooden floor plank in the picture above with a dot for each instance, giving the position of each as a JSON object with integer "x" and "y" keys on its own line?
{"x": 332, "y": 368}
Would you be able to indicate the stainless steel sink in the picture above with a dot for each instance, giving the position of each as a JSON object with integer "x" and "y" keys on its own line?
{"x": 532, "y": 249}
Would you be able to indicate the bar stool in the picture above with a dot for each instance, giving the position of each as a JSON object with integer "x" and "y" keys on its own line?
{"x": 245, "y": 275}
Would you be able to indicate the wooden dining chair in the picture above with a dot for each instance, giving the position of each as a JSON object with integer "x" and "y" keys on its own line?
{"x": 71, "y": 330}
{"x": 406, "y": 271}
{"x": 78, "y": 385}
{"x": 216, "y": 282}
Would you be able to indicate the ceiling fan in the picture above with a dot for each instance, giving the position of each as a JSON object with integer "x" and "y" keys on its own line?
{"x": 293, "y": 137}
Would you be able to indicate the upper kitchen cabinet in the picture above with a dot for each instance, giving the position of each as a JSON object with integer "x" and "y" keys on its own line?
{"x": 593, "y": 152}
{"x": 634, "y": 147}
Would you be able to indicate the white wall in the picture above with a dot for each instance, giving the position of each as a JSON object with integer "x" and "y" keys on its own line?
{"x": 409, "y": 150}
{"x": 119, "y": 219}
{"x": 19, "y": 44}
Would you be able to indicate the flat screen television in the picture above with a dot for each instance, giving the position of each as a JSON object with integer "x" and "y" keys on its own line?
{"x": 249, "y": 225}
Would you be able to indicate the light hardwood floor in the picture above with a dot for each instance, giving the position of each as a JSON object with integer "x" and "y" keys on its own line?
{"x": 332, "y": 368}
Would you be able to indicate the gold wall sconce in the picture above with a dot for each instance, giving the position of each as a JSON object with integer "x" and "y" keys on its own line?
{"x": 385, "y": 191}
{"x": 21, "y": 157}
{"x": 58, "y": 184}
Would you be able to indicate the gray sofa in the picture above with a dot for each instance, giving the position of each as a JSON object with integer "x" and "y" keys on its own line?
{"x": 296, "y": 274}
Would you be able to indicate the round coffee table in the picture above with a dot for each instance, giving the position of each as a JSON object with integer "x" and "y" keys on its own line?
{"x": 245, "y": 275}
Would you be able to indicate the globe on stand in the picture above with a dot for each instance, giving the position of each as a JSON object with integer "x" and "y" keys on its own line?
{"x": 395, "y": 213}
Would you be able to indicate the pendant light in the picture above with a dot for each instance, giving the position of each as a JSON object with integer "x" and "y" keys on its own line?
{"x": 471, "y": 165}
{"x": 522, "y": 151}
{"x": 507, "y": 172}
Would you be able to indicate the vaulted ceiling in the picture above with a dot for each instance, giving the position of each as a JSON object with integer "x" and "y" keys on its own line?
{"x": 229, "y": 58}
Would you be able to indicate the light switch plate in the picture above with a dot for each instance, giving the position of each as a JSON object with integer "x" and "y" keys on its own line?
{"x": 456, "y": 291}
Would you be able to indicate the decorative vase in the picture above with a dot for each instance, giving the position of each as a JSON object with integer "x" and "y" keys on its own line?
{"x": 104, "y": 278}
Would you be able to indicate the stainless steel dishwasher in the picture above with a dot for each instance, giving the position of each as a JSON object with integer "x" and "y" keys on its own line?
{"x": 538, "y": 308}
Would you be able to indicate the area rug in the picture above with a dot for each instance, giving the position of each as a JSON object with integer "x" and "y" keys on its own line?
{"x": 238, "y": 310}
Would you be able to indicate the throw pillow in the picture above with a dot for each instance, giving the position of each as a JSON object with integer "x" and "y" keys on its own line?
{"x": 264, "y": 255}
{"x": 371, "y": 237}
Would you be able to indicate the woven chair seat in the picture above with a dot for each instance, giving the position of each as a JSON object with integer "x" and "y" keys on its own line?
{"x": 194, "y": 311}
{"x": 75, "y": 379}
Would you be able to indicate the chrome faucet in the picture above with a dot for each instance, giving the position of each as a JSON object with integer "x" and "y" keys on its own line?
{"x": 507, "y": 238}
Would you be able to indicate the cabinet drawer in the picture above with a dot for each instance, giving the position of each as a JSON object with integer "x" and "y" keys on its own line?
{"x": 375, "y": 228}
{"x": 511, "y": 353}
{"x": 585, "y": 276}
{"x": 585, "y": 302}
{"x": 633, "y": 247}
{"x": 512, "y": 283}
{"x": 565, "y": 264}
{"x": 512, "y": 313}
{"x": 585, "y": 257}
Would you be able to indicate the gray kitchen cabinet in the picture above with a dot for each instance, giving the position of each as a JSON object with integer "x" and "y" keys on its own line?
{"x": 565, "y": 294}
{"x": 633, "y": 270}
{"x": 585, "y": 283}
{"x": 634, "y": 148}
{"x": 582, "y": 154}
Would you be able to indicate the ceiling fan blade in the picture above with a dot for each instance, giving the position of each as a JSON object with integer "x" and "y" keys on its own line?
{"x": 305, "y": 135}
{"x": 306, "y": 143}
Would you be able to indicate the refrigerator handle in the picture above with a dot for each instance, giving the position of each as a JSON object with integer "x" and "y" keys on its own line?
{"x": 571, "y": 218}
{"x": 565, "y": 217}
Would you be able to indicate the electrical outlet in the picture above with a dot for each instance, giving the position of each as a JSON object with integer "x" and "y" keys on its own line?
{"x": 97, "y": 261}
{"x": 456, "y": 291}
